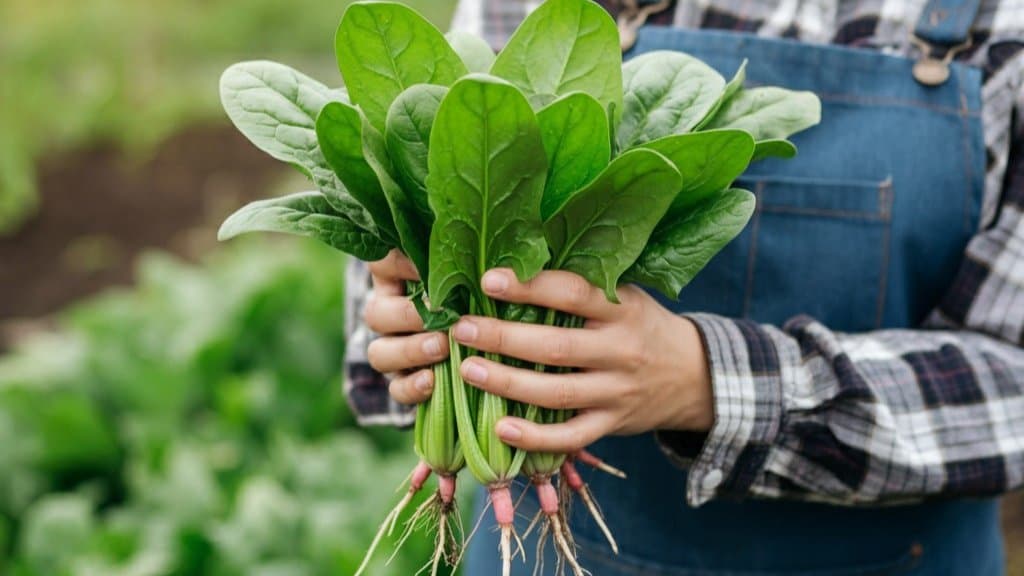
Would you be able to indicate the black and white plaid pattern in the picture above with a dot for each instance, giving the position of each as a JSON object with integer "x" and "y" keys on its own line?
{"x": 805, "y": 412}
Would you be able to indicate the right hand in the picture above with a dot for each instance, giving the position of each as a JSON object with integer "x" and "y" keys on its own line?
{"x": 403, "y": 347}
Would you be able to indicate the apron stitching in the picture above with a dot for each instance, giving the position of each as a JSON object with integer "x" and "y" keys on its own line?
{"x": 826, "y": 212}
{"x": 883, "y": 101}
{"x": 885, "y": 197}
{"x": 752, "y": 254}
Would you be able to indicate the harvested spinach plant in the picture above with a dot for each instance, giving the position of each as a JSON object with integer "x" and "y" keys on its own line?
{"x": 551, "y": 154}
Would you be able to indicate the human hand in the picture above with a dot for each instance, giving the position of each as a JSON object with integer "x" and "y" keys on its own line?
{"x": 403, "y": 348}
{"x": 642, "y": 367}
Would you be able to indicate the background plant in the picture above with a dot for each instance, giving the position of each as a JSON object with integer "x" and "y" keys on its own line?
{"x": 78, "y": 71}
{"x": 194, "y": 425}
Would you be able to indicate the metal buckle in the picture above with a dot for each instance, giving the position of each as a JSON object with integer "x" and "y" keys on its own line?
{"x": 632, "y": 17}
{"x": 931, "y": 70}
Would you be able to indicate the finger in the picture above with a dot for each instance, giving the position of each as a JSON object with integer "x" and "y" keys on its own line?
{"x": 555, "y": 391}
{"x": 390, "y": 273}
{"x": 534, "y": 343}
{"x": 555, "y": 289}
{"x": 392, "y": 315}
{"x": 414, "y": 388}
{"x": 397, "y": 353}
{"x": 567, "y": 437}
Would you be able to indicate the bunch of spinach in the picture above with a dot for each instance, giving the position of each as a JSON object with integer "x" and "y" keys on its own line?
{"x": 434, "y": 149}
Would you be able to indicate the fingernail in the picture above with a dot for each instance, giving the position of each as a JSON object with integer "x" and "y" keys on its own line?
{"x": 466, "y": 331}
{"x": 432, "y": 347}
{"x": 424, "y": 383}
{"x": 495, "y": 282}
{"x": 508, "y": 431}
{"x": 474, "y": 372}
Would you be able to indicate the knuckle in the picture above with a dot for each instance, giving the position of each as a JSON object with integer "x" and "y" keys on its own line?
{"x": 410, "y": 317}
{"x": 566, "y": 394}
{"x": 559, "y": 350}
{"x": 399, "y": 390}
{"x": 375, "y": 353}
{"x": 634, "y": 356}
{"x": 577, "y": 291}
{"x": 575, "y": 440}
{"x": 498, "y": 337}
{"x": 412, "y": 347}
{"x": 506, "y": 383}
{"x": 372, "y": 316}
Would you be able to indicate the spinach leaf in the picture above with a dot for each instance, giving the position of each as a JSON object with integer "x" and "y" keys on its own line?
{"x": 677, "y": 252}
{"x": 769, "y": 113}
{"x": 339, "y": 129}
{"x": 731, "y": 89}
{"x": 412, "y": 215}
{"x": 476, "y": 53}
{"x": 564, "y": 46}
{"x": 384, "y": 48}
{"x": 409, "y": 122}
{"x": 774, "y": 149}
{"x": 275, "y": 107}
{"x": 603, "y": 228}
{"x": 485, "y": 184}
{"x": 665, "y": 93}
{"x": 305, "y": 214}
{"x": 575, "y": 134}
{"x": 708, "y": 162}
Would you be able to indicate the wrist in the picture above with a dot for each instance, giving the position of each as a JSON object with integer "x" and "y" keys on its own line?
{"x": 693, "y": 379}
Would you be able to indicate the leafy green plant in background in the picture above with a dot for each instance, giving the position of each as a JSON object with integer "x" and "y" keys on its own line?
{"x": 133, "y": 73}
{"x": 444, "y": 163}
{"x": 194, "y": 425}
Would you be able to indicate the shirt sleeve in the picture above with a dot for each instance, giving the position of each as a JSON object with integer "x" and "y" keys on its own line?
{"x": 365, "y": 388}
{"x": 808, "y": 413}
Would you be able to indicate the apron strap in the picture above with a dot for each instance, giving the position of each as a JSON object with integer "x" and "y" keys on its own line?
{"x": 633, "y": 15}
{"x": 947, "y": 22}
{"x": 942, "y": 32}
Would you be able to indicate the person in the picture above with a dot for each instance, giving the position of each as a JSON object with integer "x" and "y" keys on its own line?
{"x": 841, "y": 391}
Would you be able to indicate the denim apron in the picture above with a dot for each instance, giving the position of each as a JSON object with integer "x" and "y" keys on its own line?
{"x": 863, "y": 230}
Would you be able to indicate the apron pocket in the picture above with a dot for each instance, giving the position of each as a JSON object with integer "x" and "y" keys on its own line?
{"x": 823, "y": 243}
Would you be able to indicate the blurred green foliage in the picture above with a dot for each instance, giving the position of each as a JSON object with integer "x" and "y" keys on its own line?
{"x": 75, "y": 71}
{"x": 194, "y": 425}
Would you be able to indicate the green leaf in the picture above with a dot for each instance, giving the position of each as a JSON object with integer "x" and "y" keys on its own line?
{"x": 575, "y": 133}
{"x": 305, "y": 214}
{"x": 708, "y": 162}
{"x": 384, "y": 48}
{"x": 476, "y": 53}
{"x": 665, "y": 93}
{"x": 769, "y": 113}
{"x": 339, "y": 130}
{"x": 409, "y": 122}
{"x": 412, "y": 216}
{"x": 676, "y": 253}
{"x": 603, "y": 229}
{"x": 731, "y": 89}
{"x": 485, "y": 185}
{"x": 565, "y": 46}
{"x": 774, "y": 149}
{"x": 276, "y": 107}
{"x": 433, "y": 320}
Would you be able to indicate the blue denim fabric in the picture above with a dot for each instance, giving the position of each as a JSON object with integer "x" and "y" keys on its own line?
{"x": 863, "y": 231}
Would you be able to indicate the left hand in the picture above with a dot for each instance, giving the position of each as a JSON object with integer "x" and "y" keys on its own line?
{"x": 641, "y": 367}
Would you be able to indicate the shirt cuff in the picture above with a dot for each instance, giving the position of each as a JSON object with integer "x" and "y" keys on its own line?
{"x": 747, "y": 386}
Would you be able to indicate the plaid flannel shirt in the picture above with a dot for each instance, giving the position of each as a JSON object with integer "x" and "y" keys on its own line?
{"x": 802, "y": 411}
